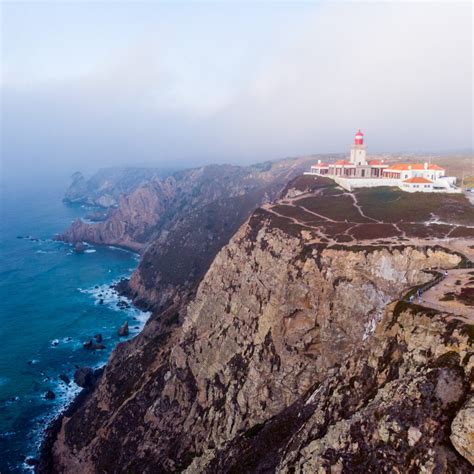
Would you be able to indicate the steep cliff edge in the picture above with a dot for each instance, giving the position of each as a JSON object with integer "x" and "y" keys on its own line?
{"x": 289, "y": 357}
{"x": 181, "y": 222}
{"x": 106, "y": 186}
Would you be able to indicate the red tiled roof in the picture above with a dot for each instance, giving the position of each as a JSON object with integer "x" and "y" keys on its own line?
{"x": 418, "y": 179}
{"x": 414, "y": 166}
{"x": 377, "y": 163}
{"x": 343, "y": 163}
{"x": 320, "y": 165}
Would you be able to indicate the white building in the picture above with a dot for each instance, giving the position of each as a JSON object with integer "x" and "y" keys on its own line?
{"x": 360, "y": 173}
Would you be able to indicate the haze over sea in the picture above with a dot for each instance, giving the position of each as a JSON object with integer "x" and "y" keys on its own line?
{"x": 50, "y": 306}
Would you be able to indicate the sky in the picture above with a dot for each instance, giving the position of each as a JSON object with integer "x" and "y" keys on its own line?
{"x": 86, "y": 84}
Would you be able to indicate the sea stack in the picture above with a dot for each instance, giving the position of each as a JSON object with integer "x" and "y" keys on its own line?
{"x": 123, "y": 330}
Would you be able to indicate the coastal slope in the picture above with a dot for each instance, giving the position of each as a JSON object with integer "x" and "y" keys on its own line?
{"x": 300, "y": 349}
{"x": 180, "y": 223}
{"x": 106, "y": 186}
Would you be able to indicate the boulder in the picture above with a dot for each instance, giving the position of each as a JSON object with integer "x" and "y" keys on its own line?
{"x": 90, "y": 345}
{"x": 84, "y": 377}
{"x": 462, "y": 431}
{"x": 123, "y": 330}
{"x": 49, "y": 395}
{"x": 65, "y": 379}
{"x": 79, "y": 247}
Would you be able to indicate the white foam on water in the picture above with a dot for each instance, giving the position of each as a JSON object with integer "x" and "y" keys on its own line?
{"x": 65, "y": 394}
{"x": 110, "y": 297}
{"x": 90, "y": 251}
{"x": 120, "y": 249}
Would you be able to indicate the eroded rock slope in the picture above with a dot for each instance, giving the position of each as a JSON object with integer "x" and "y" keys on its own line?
{"x": 293, "y": 356}
{"x": 181, "y": 222}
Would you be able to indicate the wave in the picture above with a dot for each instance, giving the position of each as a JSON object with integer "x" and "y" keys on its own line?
{"x": 107, "y": 295}
{"x": 66, "y": 393}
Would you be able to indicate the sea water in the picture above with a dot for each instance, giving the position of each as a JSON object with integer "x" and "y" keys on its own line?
{"x": 52, "y": 301}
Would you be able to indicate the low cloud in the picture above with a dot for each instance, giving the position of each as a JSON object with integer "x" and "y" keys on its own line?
{"x": 401, "y": 72}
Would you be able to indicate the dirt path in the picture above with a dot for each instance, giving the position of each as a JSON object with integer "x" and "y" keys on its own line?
{"x": 452, "y": 283}
{"x": 317, "y": 215}
{"x": 462, "y": 245}
{"x": 361, "y": 212}
{"x": 403, "y": 234}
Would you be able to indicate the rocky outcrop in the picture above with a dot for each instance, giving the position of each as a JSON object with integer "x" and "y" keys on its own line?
{"x": 123, "y": 330}
{"x": 181, "y": 222}
{"x": 77, "y": 190}
{"x": 137, "y": 213}
{"x": 462, "y": 431}
{"x": 106, "y": 186}
{"x": 386, "y": 408}
{"x": 291, "y": 356}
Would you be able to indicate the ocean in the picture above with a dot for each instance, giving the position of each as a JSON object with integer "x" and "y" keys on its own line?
{"x": 52, "y": 301}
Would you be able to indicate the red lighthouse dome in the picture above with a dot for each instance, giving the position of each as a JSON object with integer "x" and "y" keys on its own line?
{"x": 359, "y": 138}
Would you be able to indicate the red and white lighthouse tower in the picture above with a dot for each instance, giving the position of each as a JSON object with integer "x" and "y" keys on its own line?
{"x": 359, "y": 138}
{"x": 358, "y": 150}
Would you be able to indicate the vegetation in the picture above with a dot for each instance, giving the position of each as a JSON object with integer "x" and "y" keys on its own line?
{"x": 374, "y": 231}
{"x": 338, "y": 208}
{"x": 466, "y": 296}
{"x": 393, "y": 205}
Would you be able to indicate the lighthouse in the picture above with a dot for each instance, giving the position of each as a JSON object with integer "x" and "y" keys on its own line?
{"x": 358, "y": 150}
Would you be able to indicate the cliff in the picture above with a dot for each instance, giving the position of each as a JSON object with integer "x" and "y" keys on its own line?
{"x": 181, "y": 222}
{"x": 297, "y": 352}
{"x": 106, "y": 186}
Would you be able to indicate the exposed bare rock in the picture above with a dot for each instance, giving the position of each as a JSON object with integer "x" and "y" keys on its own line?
{"x": 292, "y": 356}
{"x": 380, "y": 411}
{"x": 105, "y": 187}
{"x": 123, "y": 330}
{"x": 462, "y": 431}
{"x": 181, "y": 222}
{"x": 84, "y": 377}
{"x": 136, "y": 214}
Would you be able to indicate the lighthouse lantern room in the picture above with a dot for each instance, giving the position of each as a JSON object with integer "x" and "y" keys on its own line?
{"x": 358, "y": 150}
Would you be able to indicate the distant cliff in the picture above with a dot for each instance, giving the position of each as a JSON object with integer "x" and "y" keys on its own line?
{"x": 299, "y": 352}
{"x": 181, "y": 222}
{"x": 106, "y": 186}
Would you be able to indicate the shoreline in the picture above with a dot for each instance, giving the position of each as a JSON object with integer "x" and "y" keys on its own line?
{"x": 42, "y": 462}
{"x": 39, "y": 457}
{"x": 44, "y": 459}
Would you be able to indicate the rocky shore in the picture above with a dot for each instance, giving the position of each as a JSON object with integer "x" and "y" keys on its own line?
{"x": 87, "y": 380}
{"x": 294, "y": 351}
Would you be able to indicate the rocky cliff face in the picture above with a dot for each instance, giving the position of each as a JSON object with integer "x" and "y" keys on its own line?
{"x": 293, "y": 355}
{"x": 401, "y": 403}
{"x": 181, "y": 222}
{"x": 106, "y": 186}
{"x": 128, "y": 225}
